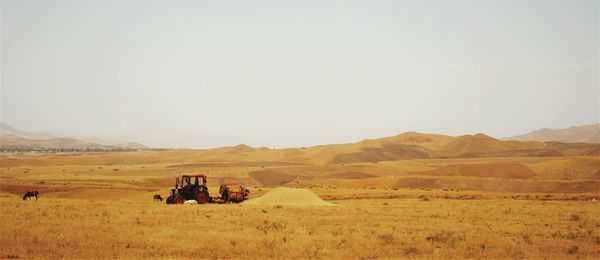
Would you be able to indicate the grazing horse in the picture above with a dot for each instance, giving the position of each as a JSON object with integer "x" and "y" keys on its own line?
{"x": 31, "y": 194}
{"x": 157, "y": 197}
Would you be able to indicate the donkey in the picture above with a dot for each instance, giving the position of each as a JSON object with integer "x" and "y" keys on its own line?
{"x": 157, "y": 197}
{"x": 31, "y": 194}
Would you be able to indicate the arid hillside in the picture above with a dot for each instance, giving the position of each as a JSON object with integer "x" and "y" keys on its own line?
{"x": 406, "y": 146}
{"x": 575, "y": 134}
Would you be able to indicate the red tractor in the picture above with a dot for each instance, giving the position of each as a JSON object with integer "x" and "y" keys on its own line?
{"x": 190, "y": 186}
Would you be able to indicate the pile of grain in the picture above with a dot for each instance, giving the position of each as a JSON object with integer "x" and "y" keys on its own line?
{"x": 289, "y": 196}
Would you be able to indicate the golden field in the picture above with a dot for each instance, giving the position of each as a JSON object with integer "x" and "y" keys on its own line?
{"x": 362, "y": 227}
{"x": 518, "y": 202}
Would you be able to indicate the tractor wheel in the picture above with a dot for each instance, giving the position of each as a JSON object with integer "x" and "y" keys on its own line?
{"x": 202, "y": 197}
{"x": 171, "y": 199}
{"x": 179, "y": 200}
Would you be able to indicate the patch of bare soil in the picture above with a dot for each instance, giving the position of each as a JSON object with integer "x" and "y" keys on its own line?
{"x": 509, "y": 170}
{"x": 272, "y": 178}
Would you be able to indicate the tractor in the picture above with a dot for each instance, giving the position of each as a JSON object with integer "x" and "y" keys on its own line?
{"x": 233, "y": 192}
{"x": 190, "y": 186}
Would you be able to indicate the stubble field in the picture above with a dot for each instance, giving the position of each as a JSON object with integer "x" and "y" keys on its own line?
{"x": 92, "y": 207}
{"x": 354, "y": 228}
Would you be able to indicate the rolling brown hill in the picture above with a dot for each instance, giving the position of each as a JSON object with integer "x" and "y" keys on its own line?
{"x": 413, "y": 145}
{"x": 406, "y": 146}
{"x": 575, "y": 134}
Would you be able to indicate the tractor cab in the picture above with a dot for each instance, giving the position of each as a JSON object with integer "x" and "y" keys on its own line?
{"x": 193, "y": 179}
{"x": 190, "y": 186}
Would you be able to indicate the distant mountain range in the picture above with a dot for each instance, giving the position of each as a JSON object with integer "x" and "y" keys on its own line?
{"x": 13, "y": 138}
{"x": 410, "y": 145}
{"x": 575, "y": 134}
{"x": 6, "y": 129}
{"x": 406, "y": 146}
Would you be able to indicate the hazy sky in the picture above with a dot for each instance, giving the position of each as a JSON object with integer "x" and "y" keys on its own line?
{"x": 297, "y": 73}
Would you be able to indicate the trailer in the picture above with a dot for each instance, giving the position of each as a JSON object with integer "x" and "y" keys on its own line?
{"x": 233, "y": 192}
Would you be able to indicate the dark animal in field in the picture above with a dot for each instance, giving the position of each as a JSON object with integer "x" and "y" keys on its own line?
{"x": 31, "y": 194}
{"x": 157, "y": 197}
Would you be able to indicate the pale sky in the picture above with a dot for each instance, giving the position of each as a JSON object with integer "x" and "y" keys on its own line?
{"x": 200, "y": 74}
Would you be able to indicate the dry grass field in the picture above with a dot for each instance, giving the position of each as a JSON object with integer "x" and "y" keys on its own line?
{"x": 363, "y": 227}
{"x": 99, "y": 205}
